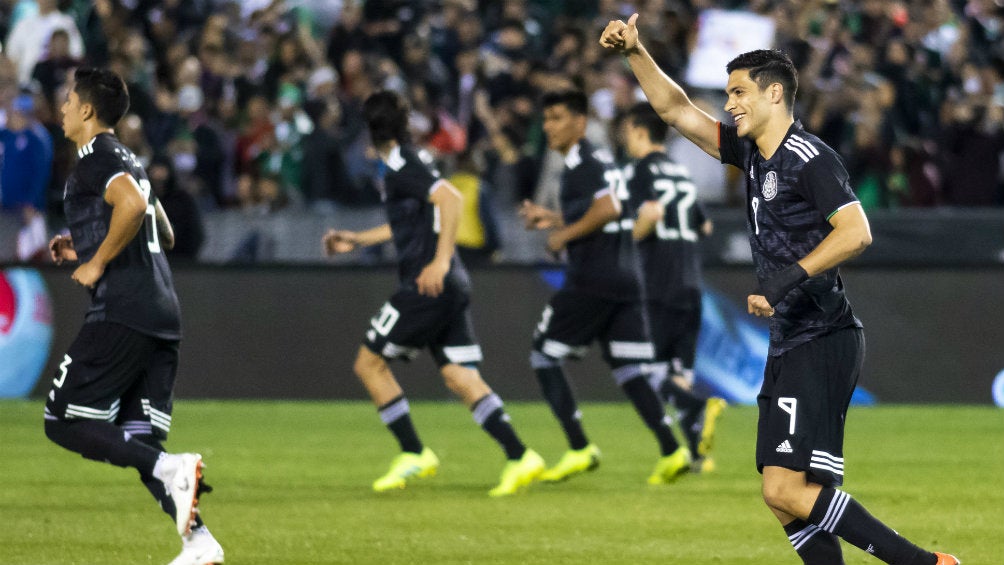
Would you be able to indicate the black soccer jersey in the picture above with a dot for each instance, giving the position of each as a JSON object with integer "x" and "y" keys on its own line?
{"x": 602, "y": 263}
{"x": 670, "y": 258}
{"x": 414, "y": 221}
{"x": 790, "y": 198}
{"x": 136, "y": 289}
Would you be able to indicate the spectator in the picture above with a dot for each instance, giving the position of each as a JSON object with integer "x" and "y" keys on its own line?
{"x": 28, "y": 41}
{"x": 27, "y": 158}
{"x": 325, "y": 177}
{"x": 180, "y": 207}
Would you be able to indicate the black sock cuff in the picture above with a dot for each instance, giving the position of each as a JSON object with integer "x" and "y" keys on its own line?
{"x": 829, "y": 508}
{"x": 795, "y": 526}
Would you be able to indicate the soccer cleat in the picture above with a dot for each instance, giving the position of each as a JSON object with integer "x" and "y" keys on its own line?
{"x": 702, "y": 465}
{"x": 519, "y": 474}
{"x": 573, "y": 462}
{"x": 406, "y": 466}
{"x": 946, "y": 559}
{"x": 183, "y": 487}
{"x": 671, "y": 467}
{"x": 199, "y": 548}
{"x": 713, "y": 408}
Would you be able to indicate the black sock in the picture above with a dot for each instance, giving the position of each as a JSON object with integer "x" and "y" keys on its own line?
{"x": 813, "y": 545}
{"x": 690, "y": 408}
{"x": 650, "y": 409}
{"x": 836, "y": 512}
{"x": 156, "y": 487}
{"x": 489, "y": 413}
{"x": 102, "y": 441}
{"x": 559, "y": 396}
{"x": 396, "y": 415}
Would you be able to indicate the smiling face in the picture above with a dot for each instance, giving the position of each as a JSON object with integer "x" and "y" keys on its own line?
{"x": 751, "y": 108}
{"x": 563, "y": 127}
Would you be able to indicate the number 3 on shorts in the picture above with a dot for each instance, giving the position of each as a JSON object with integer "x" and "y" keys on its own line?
{"x": 788, "y": 404}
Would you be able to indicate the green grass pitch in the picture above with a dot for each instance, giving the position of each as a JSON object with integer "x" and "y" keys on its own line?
{"x": 292, "y": 487}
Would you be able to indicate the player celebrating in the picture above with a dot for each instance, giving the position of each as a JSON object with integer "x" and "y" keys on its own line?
{"x": 430, "y": 308}
{"x": 804, "y": 221}
{"x": 601, "y": 298}
{"x": 670, "y": 221}
{"x": 111, "y": 400}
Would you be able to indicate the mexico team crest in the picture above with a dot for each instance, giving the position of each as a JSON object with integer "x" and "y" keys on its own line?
{"x": 770, "y": 186}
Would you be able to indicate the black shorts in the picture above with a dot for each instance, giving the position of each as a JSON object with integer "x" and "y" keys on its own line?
{"x": 116, "y": 374}
{"x": 572, "y": 320}
{"x": 674, "y": 331}
{"x": 803, "y": 403}
{"x": 409, "y": 322}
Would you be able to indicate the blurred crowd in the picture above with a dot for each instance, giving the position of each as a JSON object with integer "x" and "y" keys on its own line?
{"x": 255, "y": 105}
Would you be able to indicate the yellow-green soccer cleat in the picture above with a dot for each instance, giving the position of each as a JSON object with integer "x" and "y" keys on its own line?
{"x": 405, "y": 467}
{"x": 670, "y": 467}
{"x": 573, "y": 462}
{"x": 519, "y": 474}
{"x": 713, "y": 408}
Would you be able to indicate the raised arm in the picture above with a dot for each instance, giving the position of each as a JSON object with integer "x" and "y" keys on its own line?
{"x": 666, "y": 96}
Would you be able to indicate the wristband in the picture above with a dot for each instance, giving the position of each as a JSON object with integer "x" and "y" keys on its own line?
{"x": 779, "y": 283}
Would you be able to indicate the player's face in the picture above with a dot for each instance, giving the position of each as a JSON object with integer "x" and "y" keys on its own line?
{"x": 631, "y": 136}
{"x": 71, "y": 111}
{"x": 563, "y": 127}
{"x": 749, "y": 106}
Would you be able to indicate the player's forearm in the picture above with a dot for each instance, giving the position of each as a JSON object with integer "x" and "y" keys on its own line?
{"x": 664, "y": 94}
{"x": 601, "y": 213}
{"x": 165, "y": 231}
{"x": 643, "y": 227}
{"x": 374, "y": 236}
{"x": 125, "y": 224}
{"x": 836, "y": 248}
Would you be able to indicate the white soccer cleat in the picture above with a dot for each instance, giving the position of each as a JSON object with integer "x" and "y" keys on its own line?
{"x": 184, "y": 490}
{"x": 199, "y": 548}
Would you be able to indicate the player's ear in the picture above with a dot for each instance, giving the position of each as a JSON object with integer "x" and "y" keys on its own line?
{"x": 777, "y": 93}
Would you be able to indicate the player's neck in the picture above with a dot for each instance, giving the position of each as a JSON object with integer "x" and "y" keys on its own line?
{"x": 772, "y": 136}
{"x": 384, "y": 149}
{"x": 88, "y": 132}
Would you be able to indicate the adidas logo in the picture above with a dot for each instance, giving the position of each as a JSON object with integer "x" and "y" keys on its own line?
{"x": 871, "y": 549}
{"x": 785, "y": 447}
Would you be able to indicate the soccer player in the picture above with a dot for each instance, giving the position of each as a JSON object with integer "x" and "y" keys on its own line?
{"x": 669, "y": 222}
{"x": 601, "y": 298}
{"x": 430, "y": 308}
{"x": 112, "y": 397}
{"x": 804, "y": 221}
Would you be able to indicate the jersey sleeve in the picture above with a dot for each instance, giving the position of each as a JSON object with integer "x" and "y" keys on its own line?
{"x": 414, "y": 180}
{"x": 99, "y": 168}
{"x": 826, "y": 185}
{"x": 640, "y": 186}
{"x": 730, "y": 147}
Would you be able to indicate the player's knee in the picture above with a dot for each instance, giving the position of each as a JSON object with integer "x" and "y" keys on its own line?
{"x": 776, "y": 495}
{"x": 459, "y": 379}
{"x": 368, "y": 364}
{"x": 541, "y": 360}
{"x": 56, "y": 431}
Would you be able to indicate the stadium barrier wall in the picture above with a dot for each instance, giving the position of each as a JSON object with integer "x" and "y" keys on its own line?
{"x": 933, "y": 335}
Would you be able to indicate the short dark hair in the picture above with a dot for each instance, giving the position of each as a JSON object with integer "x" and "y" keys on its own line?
{"x": 767, "y": 66}
{"x": 642, "y": 115}
{"x": 105, "y": 91}
{"x": 574, "y": 100}
{"x": 386, "y": 114}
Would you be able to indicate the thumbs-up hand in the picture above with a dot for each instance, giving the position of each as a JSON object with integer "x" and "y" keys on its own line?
{"x": 621, "y": 36}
